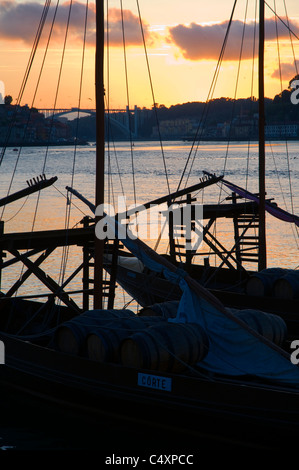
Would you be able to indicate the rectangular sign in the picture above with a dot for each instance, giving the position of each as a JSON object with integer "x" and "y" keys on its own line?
{"x": 155, "y": 381}
{"x": 2, "y": 353}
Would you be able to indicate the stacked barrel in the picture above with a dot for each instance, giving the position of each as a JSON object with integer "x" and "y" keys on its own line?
{"x": 274, "y": 282}
{"x": 149, "y": 340}
{"x": 121, "y": 336}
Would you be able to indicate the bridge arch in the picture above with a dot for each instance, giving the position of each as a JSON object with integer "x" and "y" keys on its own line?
{"x": 118, "y": 118}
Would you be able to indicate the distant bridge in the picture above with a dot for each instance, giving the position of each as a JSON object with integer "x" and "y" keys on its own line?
{"x": 124, "y": 119}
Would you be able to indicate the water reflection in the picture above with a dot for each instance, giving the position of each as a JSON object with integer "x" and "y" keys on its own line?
{"x": 47, "y": 211}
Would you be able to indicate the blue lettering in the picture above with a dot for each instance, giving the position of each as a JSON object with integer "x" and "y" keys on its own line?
{"x": 154, "y": 381}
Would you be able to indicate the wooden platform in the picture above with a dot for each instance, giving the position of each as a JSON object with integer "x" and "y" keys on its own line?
{"x": 46, "y": 238}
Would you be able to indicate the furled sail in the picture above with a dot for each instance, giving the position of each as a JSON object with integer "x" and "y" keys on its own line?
{"x": 234, "y": 348}
{"x": 271, "y": 208}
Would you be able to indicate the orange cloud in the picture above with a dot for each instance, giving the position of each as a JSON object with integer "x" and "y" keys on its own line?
{"x": 204, "y": 42}
{"x": 132, "y": 28}
{"x": 19, "y": 21}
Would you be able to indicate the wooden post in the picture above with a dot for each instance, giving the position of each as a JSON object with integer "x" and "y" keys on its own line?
{"x": 100, "y": 150}
{"x": 262, "y": 185}
{"x": 237, "y": 235}
{"x": 85, "y": 277}
{"x": 188, "y": 234}
{"x": 171, "y": 238}
{"x": 112, "y": 283}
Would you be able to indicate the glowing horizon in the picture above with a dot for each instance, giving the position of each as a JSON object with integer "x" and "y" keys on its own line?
{"x": 182, "y": 53}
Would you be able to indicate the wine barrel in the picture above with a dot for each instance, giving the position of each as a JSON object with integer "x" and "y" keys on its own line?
{"x": 288, "y": 286}
{"x": 70, "y": 336}
{"x": 166, "y": 347}
{"x": 164, "y": 309}
{"x": 271, "y": 326}
{"x": 103, "y": 342}
{"x": 262, "y": 283}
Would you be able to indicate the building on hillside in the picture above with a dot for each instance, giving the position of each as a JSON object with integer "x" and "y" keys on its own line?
{"x": 175, "y": 128}
{"x": 282, "y": 130}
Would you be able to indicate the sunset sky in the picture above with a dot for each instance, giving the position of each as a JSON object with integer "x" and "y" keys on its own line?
{"x": 183, "y": 42}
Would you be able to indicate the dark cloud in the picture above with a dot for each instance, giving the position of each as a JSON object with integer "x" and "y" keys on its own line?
{"x": 19, "y": 21}
{"x": 199, "y": 42}
{"x": 287, "y": 71}
{"x": 131, "y": 28}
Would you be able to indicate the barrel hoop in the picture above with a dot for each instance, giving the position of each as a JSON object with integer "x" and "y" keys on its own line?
{"x": 146, "y": 348}
{"x": 168, "y": 346}
{"x": 105, "y": 337}
{"x": 189, "y": 343}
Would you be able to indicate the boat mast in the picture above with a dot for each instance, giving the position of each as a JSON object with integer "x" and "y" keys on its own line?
{"x": 262, "y": 187}
{"x": 100, "y": 150}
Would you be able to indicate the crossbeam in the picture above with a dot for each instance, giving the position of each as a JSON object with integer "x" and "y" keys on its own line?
{"x": 213, "y": 242}
{"x": 154, "y": 202}
{"x": 48, "y": 282}
{"x": 46, "y": 238}
{"x": 27, "y": 273}
{"x": 36, "y": 185}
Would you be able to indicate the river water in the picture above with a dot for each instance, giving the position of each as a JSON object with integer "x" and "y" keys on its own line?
{"x": 147, "y": 161}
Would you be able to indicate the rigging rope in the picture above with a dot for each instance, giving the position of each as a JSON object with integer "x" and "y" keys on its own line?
{"x": 109, "y": 128}
{"x": 18, "y": 211}
{"x": 26, "y": 75}
{"x": 282, "y": 194}
{"x": 291, "y": 38}
{"x": 233, "y": 108}
{"x": 68, "y": 206}
{"x": 57, "y": 88}
{"x": 286, "y": 143}
{"x": 29, "y": 116}
{"x": 204, "y": 115}
{"x": 66, "y": 197}
{"x": 205, "y": 110}
{"x": 23, "y": 86}
{"x": 128, "y": 99}
{"x": 24, "y": 82}
{"x": 251, "y": 90}
{"x": 108, "y": 107}
{"x": 283, "y": 22}
{"x": 153, "y": 95}
{"x": 39, "y": 78}
{"x": 213, "y": 89}
{"x": 236, "y": 88}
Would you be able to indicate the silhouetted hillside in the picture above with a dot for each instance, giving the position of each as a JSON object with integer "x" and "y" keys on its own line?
{"x": 218, "y": 118}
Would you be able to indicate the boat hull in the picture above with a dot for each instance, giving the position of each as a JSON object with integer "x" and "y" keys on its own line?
{"x": 193, "y": 405}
